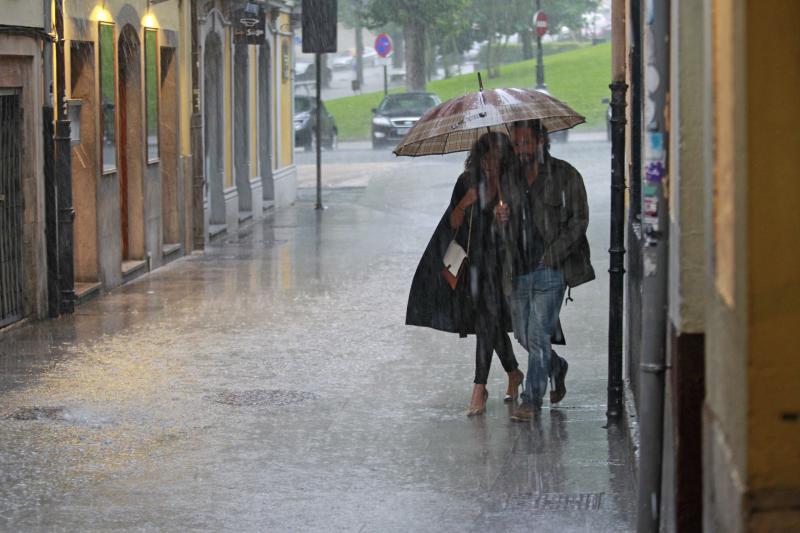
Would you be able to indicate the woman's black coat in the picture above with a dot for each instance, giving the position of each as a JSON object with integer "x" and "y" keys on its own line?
{"x": 478, "y": 298}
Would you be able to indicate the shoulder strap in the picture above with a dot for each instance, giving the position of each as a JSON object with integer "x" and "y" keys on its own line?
{"x": 469, "y": 235}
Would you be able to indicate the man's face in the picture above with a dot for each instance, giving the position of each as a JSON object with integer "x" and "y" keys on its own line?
{"x": 525, "y": 144}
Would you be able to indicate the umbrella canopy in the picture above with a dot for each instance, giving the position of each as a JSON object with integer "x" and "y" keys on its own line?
{"x": 455, "y": 125}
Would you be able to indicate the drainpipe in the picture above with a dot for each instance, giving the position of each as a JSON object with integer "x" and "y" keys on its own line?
{"x": 198, "y": 152}
{"x": 655, "y": 262}
{"x": 617, "y": 251}
{"x": 63, "y": 174}
{"x": 50, "y": 202}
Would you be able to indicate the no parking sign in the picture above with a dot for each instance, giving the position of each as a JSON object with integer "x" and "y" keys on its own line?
{"x": 383, "y": 45}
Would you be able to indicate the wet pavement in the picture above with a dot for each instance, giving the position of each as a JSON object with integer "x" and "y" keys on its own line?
{"x": 270, "y": 385}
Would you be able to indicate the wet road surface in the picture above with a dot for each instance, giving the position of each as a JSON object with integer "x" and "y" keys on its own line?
{"x": 270, "y": 385}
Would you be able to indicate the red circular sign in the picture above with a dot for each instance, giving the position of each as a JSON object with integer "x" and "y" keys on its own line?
{"x": 540, "y": 23}
{"x": 383, "y": 45}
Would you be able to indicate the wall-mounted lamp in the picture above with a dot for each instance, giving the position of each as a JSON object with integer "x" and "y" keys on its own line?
{"x": 74, "y": 116}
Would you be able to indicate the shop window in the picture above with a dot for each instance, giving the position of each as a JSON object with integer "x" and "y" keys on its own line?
{"x": 108, "y": 92}
{"x": 151, "y": 80}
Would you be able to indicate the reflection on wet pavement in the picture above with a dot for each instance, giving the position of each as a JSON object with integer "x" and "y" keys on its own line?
{"x": 270, "y": 385}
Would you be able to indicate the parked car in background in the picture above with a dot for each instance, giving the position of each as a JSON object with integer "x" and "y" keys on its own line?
{"x": 305, "y": 120}
{"x": 343, "y": 61}
{"x": 396, "y": 113}
{"x": 305, "y": 73}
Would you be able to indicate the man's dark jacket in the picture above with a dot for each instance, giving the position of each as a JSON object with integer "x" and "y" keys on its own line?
{"x": 558, "y": 206}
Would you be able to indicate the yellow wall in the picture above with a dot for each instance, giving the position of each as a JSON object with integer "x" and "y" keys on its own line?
{"x": 773, "y": 116}
{"x": 164, "y": 15}
{"x": 286, "y": 127}
{"x": 185, "y": 81}
{"x": 227, "y": 61}
{"x": 254, "y": 140}
{"x": 22, "y": 13}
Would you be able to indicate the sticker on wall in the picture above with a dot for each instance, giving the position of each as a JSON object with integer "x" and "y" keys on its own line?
{"x": 654, "y": 149}
{"x": 655, "y": 171}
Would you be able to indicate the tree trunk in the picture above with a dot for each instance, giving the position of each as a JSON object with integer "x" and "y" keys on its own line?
{"x": 414, "y": 38}
{"x": 527, "y": 43}
{"x": 359, "y": 56}
{"x": 398, "y": 44}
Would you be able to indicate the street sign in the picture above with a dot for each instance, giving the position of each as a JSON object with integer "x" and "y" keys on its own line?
{"x": 383, "y": 45}
{"x": 540, "y": 23}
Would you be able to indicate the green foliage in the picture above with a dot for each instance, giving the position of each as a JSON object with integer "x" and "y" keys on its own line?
{"x": 578, "y": 77}
{"x": 567, "y": 13}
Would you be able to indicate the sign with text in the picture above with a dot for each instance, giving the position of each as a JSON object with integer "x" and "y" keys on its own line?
{"x": 249, "y": 25}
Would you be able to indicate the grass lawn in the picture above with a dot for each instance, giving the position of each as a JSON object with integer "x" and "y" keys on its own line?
{"x": 578, "y": 77}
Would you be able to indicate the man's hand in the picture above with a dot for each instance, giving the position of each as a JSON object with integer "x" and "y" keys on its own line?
{"x": 501, "y": 212}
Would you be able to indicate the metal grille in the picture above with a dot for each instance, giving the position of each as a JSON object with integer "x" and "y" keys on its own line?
{"x": 11, "y": 304}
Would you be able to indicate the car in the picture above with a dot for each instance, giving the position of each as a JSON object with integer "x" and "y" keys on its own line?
{"x": 343, "y": 62}
{"x": 370, "y": 57}
{"x": 396, "y": 113}
{"x": 305, "y": 120}
{"x": 306, "y": 73}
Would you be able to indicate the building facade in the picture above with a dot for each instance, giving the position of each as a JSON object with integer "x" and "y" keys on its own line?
{"x": 729, "y": 460}
{"x": 23, "y": 242}
{"x": 247, "y": 96}
{"x": 143, "y": 190}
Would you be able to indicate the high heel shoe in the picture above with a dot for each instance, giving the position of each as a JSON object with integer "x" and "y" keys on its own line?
{"x": 514, "y": 385}
{"x": 476, "y": 411}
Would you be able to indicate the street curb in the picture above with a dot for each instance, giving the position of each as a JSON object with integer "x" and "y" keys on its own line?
{"x": 632, "y": 427}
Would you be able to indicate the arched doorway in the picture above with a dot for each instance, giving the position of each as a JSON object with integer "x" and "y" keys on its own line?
{"x": 213, "y": 127}
{"x": 265, "y": 121}
{"x": 131, "y": 146}
{"x": 241, "y": 128}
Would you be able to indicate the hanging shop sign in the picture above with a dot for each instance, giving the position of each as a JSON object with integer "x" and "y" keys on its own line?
{"x": 249, "y": 25}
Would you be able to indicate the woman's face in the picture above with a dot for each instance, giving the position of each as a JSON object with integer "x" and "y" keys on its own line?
{"x": 490, "y": 162}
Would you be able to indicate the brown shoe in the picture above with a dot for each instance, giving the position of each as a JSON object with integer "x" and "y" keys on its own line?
{"x": 515, "y": 380}
{"x": 524, "y": 413}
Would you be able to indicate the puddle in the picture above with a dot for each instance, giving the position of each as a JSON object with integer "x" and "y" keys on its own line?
{"x": 263, "y": 398}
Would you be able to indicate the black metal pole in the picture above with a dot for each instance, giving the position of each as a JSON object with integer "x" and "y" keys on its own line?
{"x": 617, "y": 251}
{"x": 63, "y": 174}
{"x": 318, "y": 131}
{"x": 539, "y": 55}
{"x": 198, "y": 150}
{"x": 385, "y": 80}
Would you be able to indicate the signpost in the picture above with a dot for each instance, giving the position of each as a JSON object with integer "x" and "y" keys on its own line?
{"x": 540, "y": 25}
{"x": 319, "y": 37}
{"x": 383, "y": 46}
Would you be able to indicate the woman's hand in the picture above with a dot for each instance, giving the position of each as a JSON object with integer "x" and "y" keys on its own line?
{"x": 501, "y": 212}
{"x": 460, "y": 211}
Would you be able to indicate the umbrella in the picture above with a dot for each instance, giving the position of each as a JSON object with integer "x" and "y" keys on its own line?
{"x": 455, "y": 125}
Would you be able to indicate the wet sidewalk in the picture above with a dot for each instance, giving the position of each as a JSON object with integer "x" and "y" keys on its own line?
{"x": 270, "y": 385}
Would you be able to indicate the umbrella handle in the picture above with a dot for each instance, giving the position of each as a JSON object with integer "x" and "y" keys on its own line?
{"x": 480, "y": 81}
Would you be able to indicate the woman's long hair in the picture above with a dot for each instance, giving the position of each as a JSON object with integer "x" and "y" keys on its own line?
{"x": 497, "y": 140}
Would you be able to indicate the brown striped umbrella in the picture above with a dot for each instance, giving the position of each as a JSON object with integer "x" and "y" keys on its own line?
{"x": 455, "y": 125}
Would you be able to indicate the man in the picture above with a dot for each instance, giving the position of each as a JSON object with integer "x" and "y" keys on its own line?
{"x": 546, "y": 219}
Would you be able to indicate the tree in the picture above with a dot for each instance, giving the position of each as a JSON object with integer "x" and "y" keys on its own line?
{"x": 417, "y": 17}
{"x": 569, "y": 13}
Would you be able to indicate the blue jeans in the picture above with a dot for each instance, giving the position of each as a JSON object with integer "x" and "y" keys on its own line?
{"x": 535, "y": 304}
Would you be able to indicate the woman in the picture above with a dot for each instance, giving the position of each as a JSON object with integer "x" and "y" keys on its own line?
{"x": 477, "y": 305}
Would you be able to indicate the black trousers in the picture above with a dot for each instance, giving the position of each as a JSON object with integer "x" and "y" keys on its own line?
{"x": 490, "y": 341}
